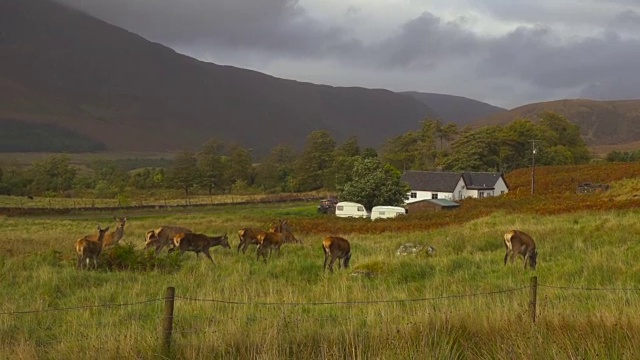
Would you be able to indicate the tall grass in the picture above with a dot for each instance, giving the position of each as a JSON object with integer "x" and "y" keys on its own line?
{"x": 460, "y": 303}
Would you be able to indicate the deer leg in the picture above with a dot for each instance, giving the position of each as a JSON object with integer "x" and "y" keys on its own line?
{"x": 333, "y": 259}
{"x": 206, "y": 252}
{"x": 326, "y": 259}
{"x": 240, "y": 246}
{"x": 506, "y": 257}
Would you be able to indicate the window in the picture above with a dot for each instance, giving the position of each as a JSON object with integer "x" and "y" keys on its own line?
{"x": 340, "y": 208}
{"x": 434, "y": 195}
{"x": 480, "y": 195}
{"x": 460, "y": 194}
{"x": 360, "y": 208}
{"x": 502, "y": 192}
{"x": 414, "y": 195}
{"x": 381, "y": 212}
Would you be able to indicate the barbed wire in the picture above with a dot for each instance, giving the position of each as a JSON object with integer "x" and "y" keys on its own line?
{"x": 586, "y": 288}
{"x": 321, "y": 303}
{"x": 356, "y": 302}
{"x": 81, "y": 307}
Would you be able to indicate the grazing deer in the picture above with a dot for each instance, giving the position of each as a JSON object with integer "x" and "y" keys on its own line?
{"x": 199, "y": 243}
{"x": 163, "y": 236}
{"x": 520, "y": 243}
{"x": 113, "y": 237}
{"x": 88, "y": 249}
{"x": 248, "y": 236}
{"x": 283, "y": 228}
{"x": 336, "y": 248}
{"x": 268, "y": 241}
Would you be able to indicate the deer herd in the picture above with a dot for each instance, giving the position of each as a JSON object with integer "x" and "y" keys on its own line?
{"x": 89, "y": 247}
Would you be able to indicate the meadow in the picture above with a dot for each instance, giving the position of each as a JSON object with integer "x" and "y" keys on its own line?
{"x": 459, "y": 303}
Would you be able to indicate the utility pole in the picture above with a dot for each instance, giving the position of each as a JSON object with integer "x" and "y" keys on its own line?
{"x": 533, "y": 166}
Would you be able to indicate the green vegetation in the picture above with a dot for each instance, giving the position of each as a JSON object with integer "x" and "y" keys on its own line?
{"x": 464, "y": 302}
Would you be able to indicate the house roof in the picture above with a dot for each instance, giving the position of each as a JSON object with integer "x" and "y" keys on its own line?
{"x": 438, "y": 181}
{"x": 431, "y": 180}
{"x": 481, "y": 180}
{"x": 444, "y": 202}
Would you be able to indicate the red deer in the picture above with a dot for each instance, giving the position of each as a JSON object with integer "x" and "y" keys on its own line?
{"x": 520, "y": 243}
{"x": 163, "y": 236}
{"x": 283, "y": 228}
{"x": 268, "y": 241}
{"x": 248, "y": 236}
{"x": 88, "y": 249}
{"x": 336, "y": 248}
{"x": 112, "y": 238}
{"x": 199, "y": 243}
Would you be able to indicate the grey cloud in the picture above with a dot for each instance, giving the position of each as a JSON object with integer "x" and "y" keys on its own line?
{"x": 424, "y": 43}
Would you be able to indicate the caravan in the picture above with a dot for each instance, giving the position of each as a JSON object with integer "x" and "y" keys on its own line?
{"x": 386, "y": 212}
{"x": 351, "y": 209}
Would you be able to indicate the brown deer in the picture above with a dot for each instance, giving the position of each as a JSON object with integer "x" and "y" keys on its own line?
{"x": 113, "y": 237}
{"x": 335, "y": 247}
{"x": 163, "y": 236}
{"x": 88, "y": 249}
{"x": 520, "y": 243}
{"x": 268, "y": 241}
{"x": 199, "y": 243}
{"x": 283, "y": 228}
{"x": 248, "y": 236}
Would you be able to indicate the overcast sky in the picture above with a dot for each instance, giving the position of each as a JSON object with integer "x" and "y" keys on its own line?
{"x": 504, "y": 52}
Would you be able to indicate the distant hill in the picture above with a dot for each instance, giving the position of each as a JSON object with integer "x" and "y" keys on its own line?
{"x": 122, "y": 92}
{"x": 456, "y": 109}
{"x": 603, "y": 124}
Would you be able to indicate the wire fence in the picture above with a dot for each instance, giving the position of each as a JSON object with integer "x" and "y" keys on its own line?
{"x": 207, "y": 324}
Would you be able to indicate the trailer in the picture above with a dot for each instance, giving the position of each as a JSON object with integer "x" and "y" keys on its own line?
{"x": 351, "y": 209}
{"x": 387, "y": 212}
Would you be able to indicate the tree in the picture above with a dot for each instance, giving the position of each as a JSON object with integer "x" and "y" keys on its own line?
{"x": 275, "y": 172}
{"x": 239, "y": 166}
{"x": 374, "y": 183}
{"x": 402, "y": 151}
{"x": 314, "y": 166}
{"x": 211, "y": 165}
{"x": 183, "y": 173}
{"x": 561, "y": 133}
{"x": 53, "y": 174}
{"x": 477, "y": 150}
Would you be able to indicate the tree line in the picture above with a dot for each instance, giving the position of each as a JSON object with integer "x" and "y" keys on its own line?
{"x": 356, "y": 173}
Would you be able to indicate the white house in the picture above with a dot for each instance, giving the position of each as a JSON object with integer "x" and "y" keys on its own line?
{"x": 453, "y": 185}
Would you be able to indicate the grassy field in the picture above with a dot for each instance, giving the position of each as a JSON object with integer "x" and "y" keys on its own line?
{"x": 460, "y": 303}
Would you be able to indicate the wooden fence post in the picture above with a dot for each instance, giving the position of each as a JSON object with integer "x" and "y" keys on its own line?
{"x": 533, "y": 295}
{"x": 167, "y": 323}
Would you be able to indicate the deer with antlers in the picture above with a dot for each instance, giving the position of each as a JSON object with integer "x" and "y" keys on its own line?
{"x": 88, "y": 249}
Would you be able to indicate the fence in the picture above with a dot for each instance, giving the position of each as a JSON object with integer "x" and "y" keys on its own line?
{"x": 170, "y": 298}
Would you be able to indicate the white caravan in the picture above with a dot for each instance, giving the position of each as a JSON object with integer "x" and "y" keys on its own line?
{"x": 351, "y": 209}
{"x": 386, "y": 212}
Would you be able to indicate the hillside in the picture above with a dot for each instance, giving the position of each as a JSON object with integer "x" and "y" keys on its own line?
{"x": 456, "y": 109}
{"x": 613, "y": 123}
{"x": 99, "y": 82}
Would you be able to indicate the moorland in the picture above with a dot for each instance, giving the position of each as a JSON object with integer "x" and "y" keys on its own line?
{"x": 460, "y": 302}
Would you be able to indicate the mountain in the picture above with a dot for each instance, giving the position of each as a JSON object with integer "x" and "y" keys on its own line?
{"x": 602, "y": 123}
{"x": 101, "y": 86}
{"x": 456, "y": 109}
